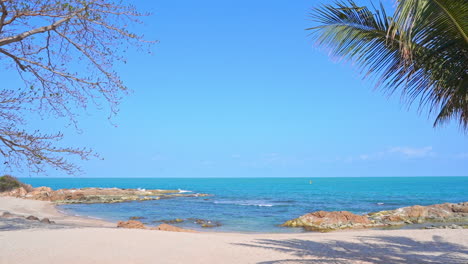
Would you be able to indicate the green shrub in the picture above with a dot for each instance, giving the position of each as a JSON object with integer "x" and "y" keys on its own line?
{"x": 8, "y": 183}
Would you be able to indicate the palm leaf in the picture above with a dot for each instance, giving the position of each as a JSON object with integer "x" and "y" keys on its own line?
{"x": 421, "y": 51}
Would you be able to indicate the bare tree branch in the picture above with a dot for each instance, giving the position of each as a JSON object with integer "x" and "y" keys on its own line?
{"x": 26, "y": 34}
{"x": 63, "y": 71}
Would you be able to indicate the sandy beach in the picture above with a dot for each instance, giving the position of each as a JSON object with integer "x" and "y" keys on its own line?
{"x": 95, "y": 241}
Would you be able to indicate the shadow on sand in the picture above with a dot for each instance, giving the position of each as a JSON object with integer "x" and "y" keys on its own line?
{"x": 366, "y": 249}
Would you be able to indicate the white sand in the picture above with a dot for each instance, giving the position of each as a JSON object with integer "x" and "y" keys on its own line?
{"x": 112, "y": 245}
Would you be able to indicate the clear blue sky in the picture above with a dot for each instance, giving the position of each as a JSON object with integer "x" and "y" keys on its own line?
{"x": 236, "y": 89}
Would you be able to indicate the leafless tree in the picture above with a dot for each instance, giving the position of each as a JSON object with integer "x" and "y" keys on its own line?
{"x": 64, "y": 52}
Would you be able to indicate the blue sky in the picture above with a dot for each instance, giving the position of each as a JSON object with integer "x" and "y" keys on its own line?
{"x": 237, "y": 89}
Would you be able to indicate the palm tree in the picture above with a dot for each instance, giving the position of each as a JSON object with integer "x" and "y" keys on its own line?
{"x": 421, "y": 51}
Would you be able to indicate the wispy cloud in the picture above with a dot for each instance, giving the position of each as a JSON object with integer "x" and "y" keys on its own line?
{"x": 404, "y": 152}
{"x": 411, "y": 152}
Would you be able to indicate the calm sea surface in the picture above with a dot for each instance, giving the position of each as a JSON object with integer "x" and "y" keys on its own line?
{"x": 261, "y": 204}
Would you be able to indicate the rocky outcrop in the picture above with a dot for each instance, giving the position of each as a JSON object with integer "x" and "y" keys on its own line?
{"x": 452, "y": 226}
{"x": 166, "y": 227}
{"x": 47, "y": 221}
{"x": 18, "y": 192}
{"x": 95, "y": 195}
{"x": 170, "y": 221}
{"x": 133, "y": 224}
{"x": 325, "y": 221}
{"x": 41, "y": 193}
{"x": 205, "y": 223}
{"x": 7, "y": 215}
{"x": 447, "y": 212}
{"x": 328, "y": 221}
{"x": 32, "y": 217}
{"x": 201, "y": 222}
{"x": 29, "y": 218}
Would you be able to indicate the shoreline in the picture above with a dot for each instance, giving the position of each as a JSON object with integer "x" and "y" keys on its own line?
{"x": 46, "y": 209}
{"x": 97, "y": 241}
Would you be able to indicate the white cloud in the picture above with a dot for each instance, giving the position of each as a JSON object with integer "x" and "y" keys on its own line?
{"x": 411, "y": 152}
{"x": 405, "y": 152}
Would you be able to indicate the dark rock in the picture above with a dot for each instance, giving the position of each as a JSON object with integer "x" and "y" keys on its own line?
{"x": 32, "y": 217}
{"x": 171, "y": 221}
{"x": 209, "y": 225}
{"x": 205, "y": 223}
{"x": 47, "y": 221}
{"x": 7, "y": 215}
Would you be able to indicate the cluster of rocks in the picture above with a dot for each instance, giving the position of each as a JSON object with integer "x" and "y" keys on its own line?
{"x": 201, "y": 222}
{"x": 452, "y": 226}
{"x": 328, "y": 221}
{"x": 95, "y": 195}
{"x": 9, "y": 221}
{"x": 205, "y": 223}
{"x": 30, "y": 218}
{"x": 133, "y": 224}
{"x": 171, "y": 221}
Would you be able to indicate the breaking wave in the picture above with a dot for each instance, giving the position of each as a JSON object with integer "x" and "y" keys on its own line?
{"x": 258, "y": 203}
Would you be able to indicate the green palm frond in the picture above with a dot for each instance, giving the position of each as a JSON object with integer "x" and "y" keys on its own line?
{"x": 421, "y": 51}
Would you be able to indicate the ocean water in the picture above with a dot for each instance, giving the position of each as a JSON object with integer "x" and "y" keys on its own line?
{"x": 262, "y": 204}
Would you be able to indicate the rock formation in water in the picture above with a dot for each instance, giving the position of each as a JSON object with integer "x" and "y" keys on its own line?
{"x": 201, "y": 222}
{"x": 133, "y": 224}
{"x": 446, "y": 212}
{"x": 95, "y": 195}
{"x": 325, "y": 221}
{"x": 329, "y": 221}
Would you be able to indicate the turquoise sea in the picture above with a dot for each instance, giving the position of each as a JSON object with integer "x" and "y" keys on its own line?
{"x": 261, "y": 204}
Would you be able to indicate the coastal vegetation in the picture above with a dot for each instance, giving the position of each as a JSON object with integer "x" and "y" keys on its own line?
{"x": 63, "y": 53}
{"x": 421, "y": 51}
{"x": 8, "y": 183}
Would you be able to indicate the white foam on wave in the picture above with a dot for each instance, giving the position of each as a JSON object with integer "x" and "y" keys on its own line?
{"x": 246, "y": 203}
{"x": 141, "y": 189}
{"x": 183, "y": 191}
{"x": 380, "y": 203}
